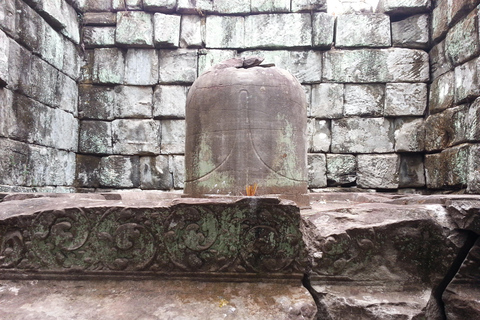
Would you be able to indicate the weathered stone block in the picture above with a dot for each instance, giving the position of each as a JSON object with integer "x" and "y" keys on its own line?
{"x": 169, "y": 101}
{"x": 96, "y": 102}
{"x": 197, "y": 7}
{"x": 467, "y": 81}
{"x": 448, "y": 168}
{"x": 51, "y": 11}
{"x": 440, "y": 20}
{"x": 62, "y": 132}
{"x": 93, "y": 5}
{"x": 211, "y": 57}
{"x": 262, "y": 30}
{"x": 132, "y": 136}
{"x": 473, "y": 178}
{"x": 141, "y": 67}
{"x": 133, "y": 102}
{"x": 19, "y": 63}
{"x": 192, "y": 31}
{"x": 459, "y": 124}
{"x": 309, "y": 5}
{"x": 231, "y": 6}
{"x": 134, "y": 28}
{"x": 29, "y": 26}
{"x": 66, "y": 94}
{"x": 412, "y": 32}
{"x": 412, "y": 171}
{"x": 472, "y": 121}
{"x": 119, "y": 172}
{"x": 439, "y": 130}
{"x": 178, "y": 66}
{"x": 71, "y": 22}
{"x": 341, "y": 169}
{"x": 378, "y": 171}
{"x": 439, "y": 63}
{"x": 108, "y": 66}
{"x": 363, "y": 30}
{"x": 364, "y": 99}
{"x": 87, "y": 170}
{"x": 7, "y": 113}
{"x": 462, "y": 41}
{"x": 316, "y": 166}
{"x": 71, "y": 60}
{"x": 270, "y": 6}
{"x": 319, "y": 136}
{"x": 42, "y": 173}
{"x": 155, "y": 173}
{"x": 323, "y": 26}
{"x": 165, "y": 6}
{"x": 327, "y": 100}
{"x": 42, "y": 81}
{"x": 100, "y": 18}
{"x": 118, "y": 5}
{"x": 376, "y": 65}
{"x": 86, "y": 70}
{"x": 166, "y": 30}
{"x": 224, "y": 32}
{"x": 98, "y": 36}
{"x": 405, "y": 99}
{"x": 406, "y": 6}
{"x": 95, "y": 137}
{"x": 13, "y": 162}
{"x": 409, "y": 135}
{"x": 7, "y": 17}
{"x": 177, "y": 167}
{"x": 362, "y": 135}
{"x": 4, "y": 52}
{"x": 442, "y": 92}
{"x": 458, "y": 9}
{"x": 133, "y": 4}
{"x": 173, "y": 137}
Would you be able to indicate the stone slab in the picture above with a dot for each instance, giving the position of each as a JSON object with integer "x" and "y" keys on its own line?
{"x": 378, "y": 171}
{"x": 363, "y": 30}
{"x": 462, "y": 42}
{"x": 141, "y": 67}
{"x": 134, "y": 28}
{"x": 166, "y": 32}
{"x": 224, "y": 32}
{"x": 192, "y": 33}
{"x": 412, "y": 32}
{"x": 323, "y": 27}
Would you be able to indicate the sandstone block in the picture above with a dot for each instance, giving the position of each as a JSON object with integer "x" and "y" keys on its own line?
{"x": 118, "y": 5}
{"x": 63, "y": 131}
{"x": 439, "y": 130}
{"x": 87, "y": 171}
{"x": 467, "y": 83}
{"x": 211, "y": 57}
{"x": 327, "y": 100}
{"x": 341, "y": 169}
{"x": 316, "y": 166}
{"x": 141, "y": 67}
{"x": 459, "y": 124}
{"x": 71, "y": 22}
{"x": 442, "y": 92}
{"x": 224, "y": 32}
{"x": 86, "y": 70}
{"x": 270, "y": 6}
{"x": 319, "y": 136}
{"x": 13, "y": 162}
{"x": 52, "y": 167}
{"x": 134, "y": 28}
{"x": 155, "y": 173}
{"x": 412, "y": 171}
{"x": 440, "y": 20}
{"x": 4, "y": 52}
{"x": 231, "y": 6}
{"x": 363, "y": 30}
{"x": 192, "y": 31}
{"x": 132, "y": 136}
{"x": 98, "y": 36}
{"x": 100, "y": 18}
{"x": 362, "y": 135}
{"x": 19, "y": 61}
{"x": 165, "y": 6}
{"x": 71, "y": 60}
{"x": 262, "y": 30}
{"x": 108, "y": 66}
{"x": 178, "y": 66}
{"x": 7, "y": 113}
{"x": 8, "y": 17}
{"x": 323, "y": 26}
{"x": 95, "y": 137}
{"x": 66, "y": 94}
{"x": 93, "y": 5}
{"x": 439, "y": 63}
{"x": 29, "y": 26}
{"x": 119, "y": 172}
{"x": 378, "y": 171}
{"x": 409, "y": 135}
{"x": 412, "y": 32}
{"x": 406, "y": 6}
{"x": 473, "y": 178}
{"x": 309, "y": 5}
{"x": 133, "y": 4}
{"x": 197, "y": 7}
{"x": 472, "y": 123}
{"x": 42, "y": 81}
{"x": 459, "y": 9}
{"x": 173, "y": 137}
{"x": 169, "y": 101}
{"x": 51, "y": 11}
{"x": 364, "y": 99}
{"x": 166, "y": 30}
{"x": 96, "y": 102}
{"x": 177, "y": 167}
{"x": 133, "y": 102}
{"x": 376, "y": 65}
{"x": 448, "y": 168}
{"x": 462, "y": 41}
{"x": 405, "y": 99}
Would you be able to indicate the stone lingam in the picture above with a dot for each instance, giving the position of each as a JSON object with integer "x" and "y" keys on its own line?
{"x": 246, "y": 127}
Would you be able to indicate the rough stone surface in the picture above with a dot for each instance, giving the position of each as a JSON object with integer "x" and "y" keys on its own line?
{"x": 442, "y": 92}
{"x": 316, "y": 165}
{"x": 327, "y": 101}
{"x": 447, "y": 168}
{"x": 108, "y": 65}
{"x": 270, "y": 6}
{"x": 87, "y": 171}
{"x": 412, "y": 171}
{"x": 378, "y": 171}
{"x": 405, "y": 99}
{"x": 406, "y": 6}
{"x": 100, "y": 18}
{"x": 192, "y": 35}
{"x": 177, "y": 66}
{"x": 29, "y": 26}
{"x": 409, "y": 135}
{"x": 98, "y": 36}
{"x": 173, "y": 137}
{"x": 7, "y": 17}
{"x": 309, "y": 5}
{"x": 319, "y": 136}
{"x": 166, "y": 32}
{"x": 211, "y": 57}
{"x": 467, "y": 83}
{"x": 133, "y": 102}
{"x": 323, "y": 27}
{"x": 364, "y": 100}
{"x": 169, "y": 101}
{"x": 473, "y": 179}
{"x": 133, "y": 137}
{"x": 155, "y": 173}
{"x": 439, "y": 131}
{"x": 165, "y": 6}
{"x": 134, "y": 28}
{"x": 462, "y": 42}
{"x": 141, "y": 67}
{"x": 224, "y": 32}
{"x": 119, "y": 172}
{"x": 96, "y": 102}
{"x": 412, "y": 32}
{"x": 363, "y": 30}
{"x": 341, "y": 169}
{"x": 177, "y": 165}
{"x": 439, "y": 63}
{"x": 95, "y": 137}
{"x": 4, "y": 52}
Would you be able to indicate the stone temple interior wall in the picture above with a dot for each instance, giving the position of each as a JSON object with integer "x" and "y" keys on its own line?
{"x": 366, "y": 75}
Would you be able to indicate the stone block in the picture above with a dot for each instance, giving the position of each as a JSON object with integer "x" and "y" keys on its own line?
{"x": 319, "y": 136}
{"x": 71, "y": 60}
{"x": 459, "y": 124}
{"x": 133, "y": 4}
{"x": 66, "y": 94}
{"x": 96, "y": 102}
{"x": 412, "y": 32}
{"x": 4, "y": 52}
{"x": 364, "y": 99}
{"x": 405, "y": 99}
{"x": 7, "y": 113}
{"x": 49, "y": 166}
{"x": 119, "y": 172}
{"x": 141, "y": 67}
{"x": 224, "y": 32}
{"x": 316, "y": 166}
{"x": 341, "y": 169}
{"x": 409, "y": 135}
{"x": 472, "y": 121}
{"x": 363, "y": 30}
{"x": 376, "y": 65}
{"x": 99, "y": 36}
{"x": 71, "y": 22}
{"x": 448, "y": 168}
{"x": 442, "y": 92}
{"x": 133, "y": 136}
{"x": 440, "y": 20}
{"x": 169, "y": 101}
{"x": 231, "y": 6}
{"x": 192, "y": 33}
{"x": 13, "y": 162}
{"x": 473, "y": 178}
{"x": 309, "y": 5}
{"x": 467, "y": 81}
{"x": 378, "y": 171}
{"x": 270, "y": 6}
{"x": 42, "y": 81}
{"x": 177, "y": 166}
{"x": 173, "y": 137}
{"x": 108, "y": 66}
{"x": 100, "y": 18}
{"x": 197, "y": 7}
{"x": 86, "y": 70}
{"x": 439, "y": 130}
{"x": 155, "y": 173}
{"x": 362, "y": 135}
{"x": 95, "y": 137}
{"x": 457, "y": 9}
{"x": 133, "y": 102}
{"x": 134, "y": 29}
{"x": 29, "y": 26}
{"x": 8, "y": 13}
{"x": 308, "y": 96}
{"x": 61, "y": 131}
{"x": 19, "y": 63}
{"x": 211, "y": 57}
{"x": 462, "y": 43}
{"x": 439, "y": 63}
{"x": 406, "y": 6}
{"x": 87, "y": 171}
{"x": 93, "y": 5}
{"x": 166, "y": 30}
{"x": 412, "y": 171}
{"x": 262, "y": 30}
{"x": 178, "y": 66}
{"x": 327, "y": 101}
{"x": 165, "y": 6}
{"x": 323, "y": 26}
{"x": 51, "y": 11}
